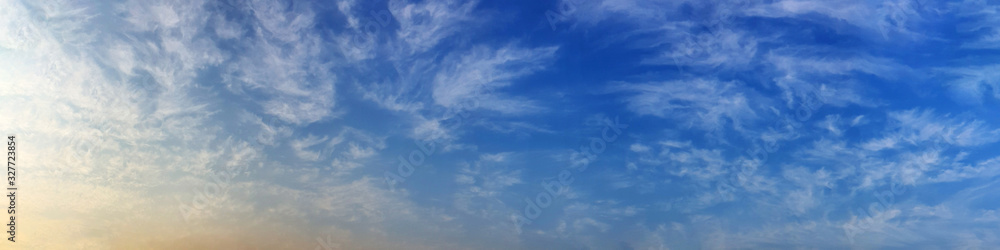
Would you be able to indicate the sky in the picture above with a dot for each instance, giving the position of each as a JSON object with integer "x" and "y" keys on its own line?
{"x": 522, "y": 124}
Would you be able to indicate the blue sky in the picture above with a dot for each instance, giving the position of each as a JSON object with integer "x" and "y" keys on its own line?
{"x": 442, "y": 124}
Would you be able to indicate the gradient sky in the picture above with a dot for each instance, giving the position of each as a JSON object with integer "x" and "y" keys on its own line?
{"x": 585, "y": 124}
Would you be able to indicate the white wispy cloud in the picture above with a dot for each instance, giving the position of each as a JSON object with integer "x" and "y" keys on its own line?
{"x": 484, "y": 183}
{"x": 349, "y": 150}
{"x": 467, "y": 77}
{"x": 981, "y": 22}
{"x": 973, "y": 84}
{"x": 300, "y": 147}
{"x": 424, "y": 25}
{"x": 920, "y": 126}
{"x": 705, "y": 37}
{"x": 141, "y": 123}
{"x": 699, "y": 103}
{"x": 122, "y": 100}
{"x": 897, "y": 19}
{"x": 283, "y": 61}
{"x": 958, "y": 172}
